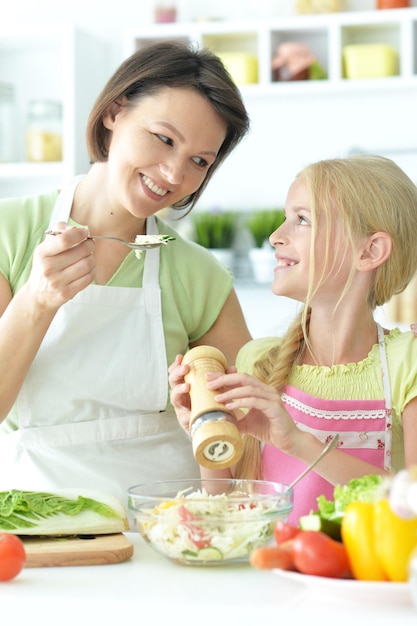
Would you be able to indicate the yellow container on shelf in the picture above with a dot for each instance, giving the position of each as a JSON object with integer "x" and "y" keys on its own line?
{"x": 369, "y": 61}
{"x": 44, "y": 131}
{"x": 242, "y": 67}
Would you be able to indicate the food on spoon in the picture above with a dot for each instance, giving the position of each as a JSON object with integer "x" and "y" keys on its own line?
{"x": 149, "y": 240}
{"x": 63, "y": 512}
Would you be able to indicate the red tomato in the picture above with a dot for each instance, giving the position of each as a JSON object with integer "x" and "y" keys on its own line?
{"x": 185, "y": 514}
{"x": 315, "y": 553}
{"x": 283, "y": 532}
{"x": 12, "y": 556}
{"x": 196, "y": 533}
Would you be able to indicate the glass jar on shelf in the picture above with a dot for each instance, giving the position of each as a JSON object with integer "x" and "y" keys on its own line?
{"x": 7, "y": 123}
{"x": 44, "y": 131}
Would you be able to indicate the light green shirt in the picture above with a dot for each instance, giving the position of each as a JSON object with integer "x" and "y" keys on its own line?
{"x": 194, "y": 285}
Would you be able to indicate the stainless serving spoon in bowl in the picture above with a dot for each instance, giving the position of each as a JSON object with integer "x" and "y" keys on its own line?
{"x": 130, "y": 244}
{"x": 330, "y": 444}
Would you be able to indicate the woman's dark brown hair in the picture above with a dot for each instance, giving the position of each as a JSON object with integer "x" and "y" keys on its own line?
{"x": 177, "y": 65}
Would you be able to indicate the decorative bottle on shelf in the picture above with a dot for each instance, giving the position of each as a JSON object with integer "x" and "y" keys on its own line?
{"x": 44, "y": 131}
{"x": 393, "y": 4}
{"x": 165, "y": 12}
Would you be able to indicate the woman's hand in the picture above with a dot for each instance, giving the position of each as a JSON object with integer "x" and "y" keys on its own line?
{"x": 180, "y": 392}
{"x": 62, "y": 266}
{"x": 257, "y": 407}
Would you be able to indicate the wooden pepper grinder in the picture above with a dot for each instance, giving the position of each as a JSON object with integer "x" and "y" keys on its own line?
{"x": 216, "y": 439}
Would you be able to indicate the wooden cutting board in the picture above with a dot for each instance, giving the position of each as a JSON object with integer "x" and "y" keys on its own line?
{"x": 87, "y": 550}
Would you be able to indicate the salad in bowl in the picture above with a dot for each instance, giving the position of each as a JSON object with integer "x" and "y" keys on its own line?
{"x": 208, "y": 522}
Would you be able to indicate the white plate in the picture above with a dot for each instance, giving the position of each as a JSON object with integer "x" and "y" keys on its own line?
{"x": 359, "y": 589}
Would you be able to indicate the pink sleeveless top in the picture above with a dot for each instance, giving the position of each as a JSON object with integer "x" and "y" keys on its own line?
{"x": 364, "y": 428}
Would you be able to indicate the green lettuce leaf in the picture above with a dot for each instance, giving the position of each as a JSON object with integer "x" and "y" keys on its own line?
{"x": 25, "y": 512}
{"x": 366, "y": 489}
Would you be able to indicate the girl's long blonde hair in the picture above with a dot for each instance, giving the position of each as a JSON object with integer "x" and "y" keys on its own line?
{"x": 354, "y": 197}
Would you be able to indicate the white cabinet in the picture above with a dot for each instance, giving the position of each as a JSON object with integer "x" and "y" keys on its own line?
{"x": 325, "y": 34}
{"x": 293, "y": 123}
{"x": 58, "y": 62}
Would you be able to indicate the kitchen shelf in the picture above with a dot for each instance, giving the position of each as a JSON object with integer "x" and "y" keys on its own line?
{"x": 325, "y": 34}
{"x": 50, "y": 61}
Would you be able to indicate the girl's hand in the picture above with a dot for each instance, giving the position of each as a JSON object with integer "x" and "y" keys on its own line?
{"x": 257, "y": 407}
{"x": 62, "y": 266}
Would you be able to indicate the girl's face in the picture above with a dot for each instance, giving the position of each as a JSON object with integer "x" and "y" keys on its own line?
{"x": 161, "y": 149}
{"x": 292, "y": 242}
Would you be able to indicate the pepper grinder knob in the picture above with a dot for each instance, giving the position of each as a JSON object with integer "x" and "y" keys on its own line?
{"x": 216, "y": 440}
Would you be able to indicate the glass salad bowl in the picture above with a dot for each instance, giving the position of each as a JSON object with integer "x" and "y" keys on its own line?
{"x": 208, "y": 521}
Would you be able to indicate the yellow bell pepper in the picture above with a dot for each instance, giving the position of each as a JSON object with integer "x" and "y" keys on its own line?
{"x": 357, "y": 532}
{"x": 395, "y": 540}
{"x": 379, "y": 543}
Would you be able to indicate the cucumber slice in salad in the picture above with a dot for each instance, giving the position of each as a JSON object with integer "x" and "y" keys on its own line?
{"x": 209, "y": 554}
{"x": 204, "y": 554}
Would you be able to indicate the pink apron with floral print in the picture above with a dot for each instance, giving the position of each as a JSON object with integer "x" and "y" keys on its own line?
{"x": 364, "y": 428}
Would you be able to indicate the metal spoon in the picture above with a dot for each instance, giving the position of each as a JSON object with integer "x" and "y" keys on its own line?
{"x": 323, "y": 453}
{"x": 129, "y": 244}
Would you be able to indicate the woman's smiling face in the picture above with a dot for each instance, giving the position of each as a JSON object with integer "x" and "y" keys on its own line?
{"x": 161, "y": 148}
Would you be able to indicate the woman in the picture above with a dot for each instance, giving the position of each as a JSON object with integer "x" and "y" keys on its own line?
{"x": 345, "y": 248}
{"x": 88, "y": 329}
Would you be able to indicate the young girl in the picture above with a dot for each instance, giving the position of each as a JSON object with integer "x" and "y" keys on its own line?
{"x": 346, "y": 247}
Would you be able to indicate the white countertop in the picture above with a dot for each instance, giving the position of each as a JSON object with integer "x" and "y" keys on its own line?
{"x": 149, "y": 589}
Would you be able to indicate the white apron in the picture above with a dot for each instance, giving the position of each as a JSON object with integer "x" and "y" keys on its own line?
{"x": 92, "y": 407}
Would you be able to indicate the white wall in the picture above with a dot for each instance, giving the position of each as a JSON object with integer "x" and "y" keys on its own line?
{"x": 287, "y": 131}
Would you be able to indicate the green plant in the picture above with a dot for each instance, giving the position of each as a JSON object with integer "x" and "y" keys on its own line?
{"x": 262, "y": 222}
{"x": 215, "y": 229}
